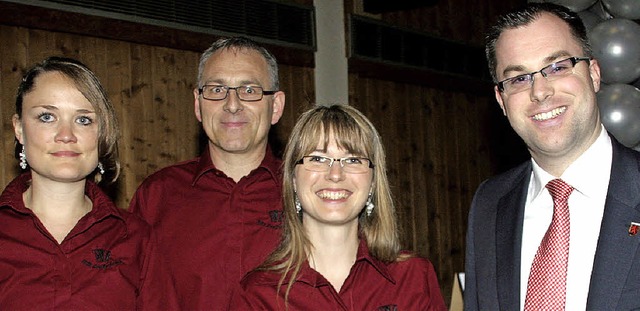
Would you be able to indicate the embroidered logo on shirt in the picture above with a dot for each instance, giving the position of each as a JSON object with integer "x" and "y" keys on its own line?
{"x": 388, "y": 308}
{"x": 103, "y": 260}
{"x": 275, "y": 220}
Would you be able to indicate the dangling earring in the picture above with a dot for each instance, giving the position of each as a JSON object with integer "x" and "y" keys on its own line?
{"x": 23, "y": 159}
{"x": 298, "y": 205}
{"x": 100, "y": 168}
{"x": 369, "y": 206}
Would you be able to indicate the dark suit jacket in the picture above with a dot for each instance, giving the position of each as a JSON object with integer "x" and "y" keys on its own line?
{"x": 494, "y": 238}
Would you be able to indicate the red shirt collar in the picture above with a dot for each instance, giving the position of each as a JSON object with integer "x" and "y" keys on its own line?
{"x": 102, "y": 204}
{"x": 270, "y": 163}
{"x": 313, "y": 278}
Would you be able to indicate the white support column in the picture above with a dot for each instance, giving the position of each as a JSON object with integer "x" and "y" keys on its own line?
{"x": 331, "y": 72}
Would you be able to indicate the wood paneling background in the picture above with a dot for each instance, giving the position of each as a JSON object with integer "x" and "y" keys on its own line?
{"x": 441, "y": 141}
{"x": 437, "y": 155}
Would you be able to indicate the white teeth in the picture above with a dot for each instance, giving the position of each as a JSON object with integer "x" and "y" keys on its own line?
{"x": 332, "y": 195}
{"x": 550, "y": 114}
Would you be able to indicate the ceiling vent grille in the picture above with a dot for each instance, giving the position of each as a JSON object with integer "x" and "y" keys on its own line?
{"x": 375, "y": 41}
{"x": 274, "y": 22}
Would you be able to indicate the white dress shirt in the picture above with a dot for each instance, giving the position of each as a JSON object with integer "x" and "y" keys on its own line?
{"x": 589, "y": 176}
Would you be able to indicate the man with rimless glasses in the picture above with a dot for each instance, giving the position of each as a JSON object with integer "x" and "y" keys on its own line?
{"x": 559, "y": 231}
{"x": 219, "y": 215}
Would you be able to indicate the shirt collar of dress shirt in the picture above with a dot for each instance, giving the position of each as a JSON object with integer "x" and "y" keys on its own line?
{"x": 587, "y": 174}
{"x": 270, "y": 162}
{"x": 102, "y": 205}
{"x": 312, "y": 278}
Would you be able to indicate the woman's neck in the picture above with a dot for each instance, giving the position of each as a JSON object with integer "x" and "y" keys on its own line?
{"x": 57, "y": 205}
{"x": 334, "y": 252}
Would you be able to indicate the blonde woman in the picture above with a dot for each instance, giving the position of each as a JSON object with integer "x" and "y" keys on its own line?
{"x": 340, "y": 248}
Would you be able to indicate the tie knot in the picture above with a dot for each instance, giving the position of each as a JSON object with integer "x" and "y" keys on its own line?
{"x": 559, "y": 189}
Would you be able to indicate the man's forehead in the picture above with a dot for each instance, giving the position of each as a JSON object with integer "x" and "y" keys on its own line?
{"x": 237, "y": 53}
{"x": 244, "y": 67}
{"x": 536, "y": 44}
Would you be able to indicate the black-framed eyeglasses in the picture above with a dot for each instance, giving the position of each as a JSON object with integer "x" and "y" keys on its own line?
{"x": 354, "y": 165}
{"x": 246, "y": 93}
{"x": 551, "y": 72}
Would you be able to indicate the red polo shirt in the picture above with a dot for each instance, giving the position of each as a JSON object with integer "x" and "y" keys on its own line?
{"x": 106, "y": 262}
{"x": 211, "y": 229}
{"x": 371, "y": 285}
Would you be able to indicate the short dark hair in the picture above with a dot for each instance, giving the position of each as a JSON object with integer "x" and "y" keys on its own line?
{"x": 526, "y": 15}
{"x": 88, "y": 84}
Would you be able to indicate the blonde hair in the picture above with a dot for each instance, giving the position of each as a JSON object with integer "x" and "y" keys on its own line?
{"x": 354, "y": 133}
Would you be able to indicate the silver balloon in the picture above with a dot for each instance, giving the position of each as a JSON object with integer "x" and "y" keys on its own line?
{"x": 574, "y": 5}
{"x": 598, "y": 9}
{"x": 589, "y": 19}
{"x": 616, "y": 46}
{"x": 623, "y": 8}
{"x": 619, "y": 106}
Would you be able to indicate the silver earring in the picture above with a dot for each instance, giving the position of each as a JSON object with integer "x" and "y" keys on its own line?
{"x": 369, "y": 206}
{"x": 23, "y": 159}
{"x": 298, "y": 205}
{"x": 100, "y": 168}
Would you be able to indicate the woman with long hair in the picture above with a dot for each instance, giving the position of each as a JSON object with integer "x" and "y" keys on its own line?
{"x": 340, "y": 248}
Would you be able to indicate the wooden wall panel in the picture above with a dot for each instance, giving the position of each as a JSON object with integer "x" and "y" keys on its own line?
{"x": 141, "y": 115}
{"x": 152, "y": 91}
{"x": 115, "y": 70}
{"x": 299, "y": 87}
{"x": 11, "y": 60}
{"x": 460, "y": 20}
{"x": 435, "y": 161}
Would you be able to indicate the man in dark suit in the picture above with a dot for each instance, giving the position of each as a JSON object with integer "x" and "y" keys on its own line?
{"x": 523, "y": 252}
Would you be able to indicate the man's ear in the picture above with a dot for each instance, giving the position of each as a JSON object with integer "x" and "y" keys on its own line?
{"x": 196, "y": 104}
{"x": 499, "y": 99}
{"x": 278, "y": 107}
{"x": 594, "y": 72}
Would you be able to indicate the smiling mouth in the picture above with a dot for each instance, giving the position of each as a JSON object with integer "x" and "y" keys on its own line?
{"x": 550, "y": 114}
{"x": 333, "y": 195}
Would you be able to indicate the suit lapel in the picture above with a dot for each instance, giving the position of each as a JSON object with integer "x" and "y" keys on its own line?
{"x": 616, "y": 248}
{"x": 509, "y": 241}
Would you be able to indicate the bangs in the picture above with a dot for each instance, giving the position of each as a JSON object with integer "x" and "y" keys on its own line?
{"x": 349, "y": 134}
